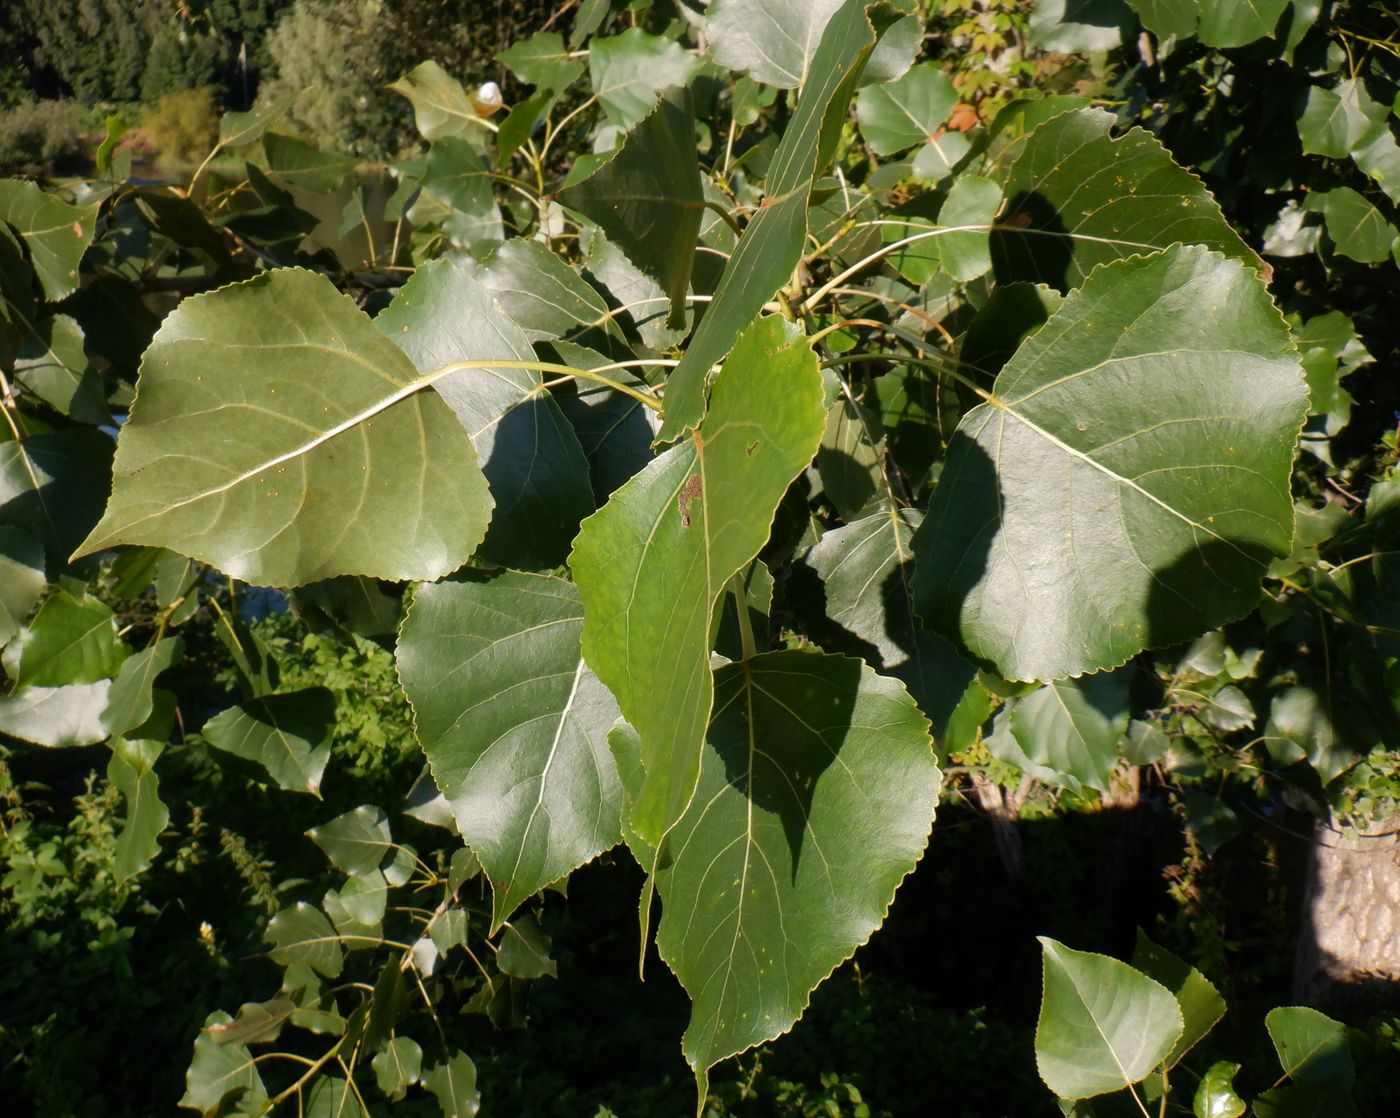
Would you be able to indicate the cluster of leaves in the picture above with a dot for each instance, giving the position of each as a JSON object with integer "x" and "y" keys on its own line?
{"x": 713, "y": 488}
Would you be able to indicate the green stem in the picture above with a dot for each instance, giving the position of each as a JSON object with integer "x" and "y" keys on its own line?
{"x": 910, "y": 359}
{"x": 741, "y": 609}
{"x": 710, "y": 204}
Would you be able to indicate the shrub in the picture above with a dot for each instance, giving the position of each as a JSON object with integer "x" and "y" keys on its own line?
{"x": 183, "y": 126}
{"x": 34, "y": 133}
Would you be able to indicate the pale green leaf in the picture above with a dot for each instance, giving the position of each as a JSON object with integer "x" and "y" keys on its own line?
{"x": 1357, "y": 225}
{"x": 543, "y": 295}
{"x": 973, "y": 201}
{"x": 652, "y": 562}
{"x": 356, "y": 842}
{"x": 514, "y": 726}
{"x": 302, "y": 934}
{"x": 56, "y": 716}
{"x": 1337, "y": 121}
{"x": 630, "y": 69}
{"x": 236, "y": 129}
{"x": 220, "y": 1070}
{"x": 293, "y": 162}
{"x": 773, "y": 240}
{"x": 1077, "y": 198}
{"x": 779, "y": 870}
{"x": 647, "y": 197}
{"x": 1074, "y": 26}
{"x": 132, "y": 771}
{"x": 287, "y": 734}
{"x": 1165, "y": 18}
{"x": 70, "y": 640}
{"x": 1103, "y": 1025}
{"x": 457, "y": 176}
{"x": 900, "y": 114}
{"x": 542, "y": 60}
{"x": 1127, "y": 484}
{"x": 1072, "y": 727}
{"x": 398, "y": 1066}
{"x": 454, "y": 1084}
{"x": 1233, "y": 23}
{"x": 342, "y": 464}
{"x": 441, "y": 107}
{"x": 55, "y": 233}
{"x": 533, "y": 462}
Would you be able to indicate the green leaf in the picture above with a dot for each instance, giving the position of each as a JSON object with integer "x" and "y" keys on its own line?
{"x": 132, "y": 771}
{"x": 1103, "y": 1025}
{"x": 458, "y": 177}
{"x": 293, "y": 162}
{"x": 441, "y": 107}
{"x": 287, "y": 734}
{"x": 130, "y": 702}
{"x": 1165, "y": 18}
{"x": 256, "y": 1023}
{"x": 514, "y": 726}
{"x": 542, "y": 60}
{"x": 220, "y": 1070}
{"x": 1312, "y": 1048}
{"x": 1072, "y": 727}
{"x": 1078, "y": 198}
{"x": 1303, "y": 1100}
{"x": 850, "y": 458}
{"x": 55, "y": 233}
{"x": 972, "y": 200}
{"x": 1075, "y": 26}
{"x": 1215, "y": 1095}
{"x": 21, "y": 578}
{"x": 237, "y": 129}
{"x": 647, "y": 197}
{"x": 331, "y": 1097}
{"x": 56, "y": 716}
{"x": 1200, "y": 1002}
{"x": 1014, "y": 312}
{"x": 630, "y": 69}
{"x": 773, "y": 240}
{"x": 900, "y": 114}
{"x": 70, "y": 640}
{"x": 342, "y": 464}
{"x": 454, "y": 1084}
{"x": 937, "y": 158}
{"x": 302, "y": 934}
{"x": 778, "y": 870}
{"x": 1357, "y": 226}
{"x": 866, "y": 568}
{"x": 356, "y": 842}
{"x": 53, "y": 365}
{"x": 1337, "y": 121}
{"x": 535, "y": 467}
{"x": 398, "y": 1066}
{"x": 1127, "y": 484}
{"x": 1233, "y": 23}
{"x": 51, "y": 485}
{"x": 543, "y": 295}
{"x": 524, "y": 950}
{"x": 651, "y": 564}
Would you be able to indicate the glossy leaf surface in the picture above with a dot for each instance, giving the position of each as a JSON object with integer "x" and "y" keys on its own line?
{"x": 270, "y": 438}
{"x": 1126, "y": 486}
{"x": 652, "y": 562}
{"x": 514, "y": 725}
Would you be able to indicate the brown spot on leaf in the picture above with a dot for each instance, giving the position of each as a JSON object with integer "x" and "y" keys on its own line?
{"x": 690, "y": 491}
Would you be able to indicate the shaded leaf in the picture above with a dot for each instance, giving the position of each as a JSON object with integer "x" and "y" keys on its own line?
{"x": 776, "y": 873}
{"x": 21, "y": 578}
{"x": 302, "y": 934}
{"x": 652, "y": 562}
{"x": 514, "y": 726}
{"x": 70, "y": 640}
{"x": 53, "y": 365}
{"x": 220, "y": 1070}
{"x": 256, "y": 1023}
{"x": 1072, "y": 727}
{"x": 320, "y": 480}
{"x": 647, "y": 197}
{"x": 55, "y": 233}
{"x": 454, "y": 1084}
{"x": 1200, "y": 1002}
{"x": 1077, "y": 198}
{"x": 356, "y": 842}
{"x": 132, "y": 771}
{"x": 52, "y": 485}
{"x": 524, "y": 950}
{"x": 1128, "y": 485}
{"x": 533, "y": 463}
{"x": 130, "y": 701}
{"x": 398, "y": 1066}
{"x": 288, "y": 734}
{"x": 1312, "y": 1048}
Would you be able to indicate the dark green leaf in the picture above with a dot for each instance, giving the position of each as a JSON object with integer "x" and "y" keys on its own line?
{"x": 356, "y": 842}
{"x": 132, "y": 771}
{"x": 1312, "y": 1048}
{"x": 524, "y": 950}
{"x": 70, "y": 640}
{"x": 302, "y": 934}
{"x": 1072, "y": 728}
{"x": 1128, "y": 484}
{"x": 543, "y": 295}
{"x": 220, "y": 1070}
{"x": 1200, "y": 1002}
{"x": 130, "y": 702}
{"x": 21, "y": 578}
{"x": 454, "y": 1084}
{"x": 397, "y": 1067}
{"x": 53, "y": 365}
{"x": 55, "y": 233}
{"x": 52, "y": 486}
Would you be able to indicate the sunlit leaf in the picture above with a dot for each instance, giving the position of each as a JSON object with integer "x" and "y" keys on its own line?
{"x": 318, "y": 478}
{"x": 302, "y": 934}
{"x": 514, "y": 725}
{"x": 55, "y": 233}
{"x": 130, "y": 702}
{"x": 70, "y": 640}
{"x": 652, "y": 562}
{"x": 630, "y": 69}
{"x": 56, "y": 716}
